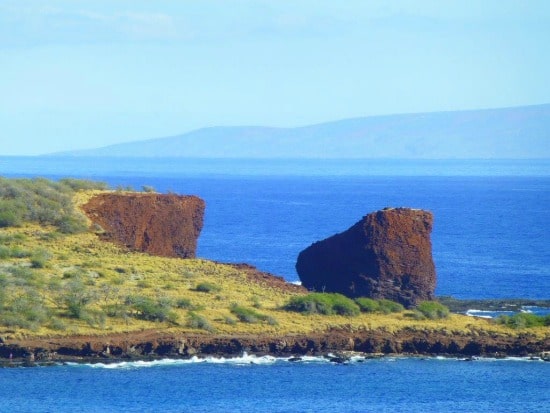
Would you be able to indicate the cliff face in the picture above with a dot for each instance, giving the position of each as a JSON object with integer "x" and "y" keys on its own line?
{"x": 155, "y": 344}
{"x": 385, "y": 255}
{"x": 163, "y": 225}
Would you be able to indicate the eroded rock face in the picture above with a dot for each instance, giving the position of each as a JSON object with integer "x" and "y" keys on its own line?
{"x": 387, "y": 254}
{"x": 164, "y": 225}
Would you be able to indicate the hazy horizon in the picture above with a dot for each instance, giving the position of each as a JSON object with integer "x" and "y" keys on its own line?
{"x": 88, "y": 74}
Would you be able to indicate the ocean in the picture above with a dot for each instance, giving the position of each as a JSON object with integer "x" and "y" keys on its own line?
{"x": 269, "y": 385}
{"x": 491, "y": 239}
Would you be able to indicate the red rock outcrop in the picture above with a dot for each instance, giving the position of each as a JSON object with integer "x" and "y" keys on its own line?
{"x": 164, "y": 225}
{"x": 387, "y": 254}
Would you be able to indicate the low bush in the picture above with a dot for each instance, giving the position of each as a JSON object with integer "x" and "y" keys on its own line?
{"x": 207, "y": 287}
{"x": 247, "y": 315}
{"x": 323, "y": 303}
{"x": 72, "y": 224}
{"x": 368, "y": 305}
{"x": 185, "y": 303}
{"x": 524, "y": 320}
{"x": 40, "y": 258}
{"x": 82, "y": 184}
{"x": 11, "y": 213}
{"x": 388, "y": 306}
{"x": 76, "y": 298}
{"x": 150, "y": 309}
{"x": 43, "y": 201}
{"x": 432, "y": 310}
{"x": 23, "y": 276}
{"x": 198, "y": 321}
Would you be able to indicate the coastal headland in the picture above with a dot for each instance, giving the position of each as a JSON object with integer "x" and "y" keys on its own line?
{"x": 67, "y": 295}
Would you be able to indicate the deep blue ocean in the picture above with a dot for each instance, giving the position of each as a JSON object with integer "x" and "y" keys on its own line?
{"x": 491, "y": 239}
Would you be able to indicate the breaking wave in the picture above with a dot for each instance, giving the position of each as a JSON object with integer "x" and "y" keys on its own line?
{"x": 246, "y": 359}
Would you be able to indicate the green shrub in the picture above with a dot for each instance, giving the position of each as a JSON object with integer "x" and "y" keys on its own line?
{"x": 314, "y": 303}
{"x": 256, "y": 302}
{"x": 207, "y": 287}
{"x": 524, "y": 320}
{"x": 10, "y": 213}
{"x": 247, "y": 315}
{"x": 10, "y": 238}
{"x": 344, "y": 306}
{"x": 72, "y": 224}
{"x": 18, "y": 252}
{"x": 82, "y": 184}
{"x": 432, "y": 310}
{"x": 5, "y": 252}
{"x": 10, "y": 319}
{"x": 185, "y": 303}
{"x": 230, "y": 321}
{"x": 198, "y": 321}
{"x": 76, "y": 298}
{"x": 42, "y": 201}
{"x": 57, "y": 324}
{"x": 323, "y": 303}
{"x": 23, "y": 276}
{"x": 150, "y": 309}
{"x": 368, "y": 305}
{"x": 388, "y": 306}
{"x": 25, "y": 311}
{"x": 40, "y": 258}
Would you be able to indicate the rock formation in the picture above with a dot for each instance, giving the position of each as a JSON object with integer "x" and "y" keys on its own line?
{"x": 385, "y": 255}
{"x": 164, "y": 225}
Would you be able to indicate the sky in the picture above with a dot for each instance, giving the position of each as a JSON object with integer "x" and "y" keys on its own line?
{"x": 77, "y": 74}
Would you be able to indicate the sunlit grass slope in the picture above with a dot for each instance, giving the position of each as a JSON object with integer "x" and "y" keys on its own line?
{"x": 56, "y": 282}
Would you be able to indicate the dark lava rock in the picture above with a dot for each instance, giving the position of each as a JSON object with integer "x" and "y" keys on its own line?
{"x": 387, "y": 254}
{"x": 164, "y": 225}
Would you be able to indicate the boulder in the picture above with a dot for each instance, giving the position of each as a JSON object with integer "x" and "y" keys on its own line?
{"x": 164, "y": 225}
{"x": 387, "y": 254}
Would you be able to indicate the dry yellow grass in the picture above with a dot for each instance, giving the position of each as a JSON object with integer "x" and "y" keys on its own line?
{"x": 110, "y": 274}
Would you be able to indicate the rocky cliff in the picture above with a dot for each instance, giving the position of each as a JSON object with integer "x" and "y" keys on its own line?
{"x": 156, "y": 344}
{"x": 164, "y": 225}
{"x": 385, "y": 255}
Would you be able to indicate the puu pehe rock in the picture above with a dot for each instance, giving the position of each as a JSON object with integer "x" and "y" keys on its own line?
{"x": 166, "y": 225}
{"x": 387, "y": 254}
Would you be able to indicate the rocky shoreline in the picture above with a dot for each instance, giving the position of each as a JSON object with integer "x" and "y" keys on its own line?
{"x": 150, "y": 345}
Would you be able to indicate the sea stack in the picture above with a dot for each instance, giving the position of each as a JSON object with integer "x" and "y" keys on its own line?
{"x": 387, "y": 254}
{"x": 164, "y": 225}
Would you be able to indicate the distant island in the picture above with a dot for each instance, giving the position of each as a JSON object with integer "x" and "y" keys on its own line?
{"x": 67, "y": 295}
{"x": 506, "y": 133}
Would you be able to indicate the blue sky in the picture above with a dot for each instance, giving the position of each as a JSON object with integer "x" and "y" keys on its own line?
{"x": 80, "y": 74}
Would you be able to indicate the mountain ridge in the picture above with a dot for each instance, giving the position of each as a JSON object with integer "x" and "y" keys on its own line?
{"x": 518, "y": 133}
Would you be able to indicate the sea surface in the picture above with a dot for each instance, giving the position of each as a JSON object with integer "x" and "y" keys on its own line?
{"x": 269, "y": 385}
{"x": 491, "y": 239}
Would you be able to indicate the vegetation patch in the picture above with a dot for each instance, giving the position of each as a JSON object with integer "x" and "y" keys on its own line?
{"x": 432, "y": 310}
{"x": 249, "y": 315}
{"x": 198, "y": 321}
{"x": 207, "y": 287}
{"x": 323, "y": 303}
{"x": 147, "y": 308}
{"x": 369, "y": 305}
{"x": 524, "y": 320}
{"x": 44, "y": 202}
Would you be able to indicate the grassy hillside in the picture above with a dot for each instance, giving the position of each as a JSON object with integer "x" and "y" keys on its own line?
{"x": 55, "y": 281}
